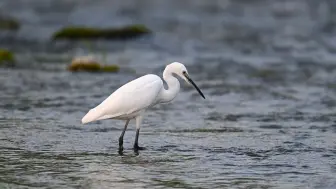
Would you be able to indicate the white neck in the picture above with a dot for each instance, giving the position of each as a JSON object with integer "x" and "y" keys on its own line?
{"x": 173, "y": 87}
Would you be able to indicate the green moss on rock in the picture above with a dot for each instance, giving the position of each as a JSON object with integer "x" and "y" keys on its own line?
{"x": 88, "y": 64}
{"x": 127, "y": 32}
{"x": 9, "y": 24}
{"x": 6, "y": 56}
{"x": 110, "y": 68}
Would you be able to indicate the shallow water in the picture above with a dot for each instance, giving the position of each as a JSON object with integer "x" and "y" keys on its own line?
{"x": 266, "y": 68}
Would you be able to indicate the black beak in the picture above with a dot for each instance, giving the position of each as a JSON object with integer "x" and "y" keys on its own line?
{"x": 194, "y": 84}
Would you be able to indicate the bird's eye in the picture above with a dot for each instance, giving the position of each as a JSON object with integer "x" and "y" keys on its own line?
{"x": 184, "y": 72}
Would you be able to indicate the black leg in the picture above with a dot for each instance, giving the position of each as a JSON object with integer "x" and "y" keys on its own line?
{"x": 121, "y": 139}
{"x": 136, "y": 146}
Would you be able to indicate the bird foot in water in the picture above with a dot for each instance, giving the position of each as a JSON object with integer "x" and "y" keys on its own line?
{"x": 120, "y": 150}
{"x": 137, "y": 148}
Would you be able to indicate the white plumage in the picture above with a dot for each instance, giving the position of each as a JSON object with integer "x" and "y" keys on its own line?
{"x": 134, "y": 98}
{"x": 129, "y": 99}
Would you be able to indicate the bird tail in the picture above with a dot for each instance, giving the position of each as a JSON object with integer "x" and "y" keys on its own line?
{"x": 92, "y": 115}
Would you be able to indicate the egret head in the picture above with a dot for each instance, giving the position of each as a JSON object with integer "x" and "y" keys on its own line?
{"x": 180, "y": 70}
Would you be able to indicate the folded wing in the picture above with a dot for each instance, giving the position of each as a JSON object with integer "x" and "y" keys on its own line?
{"x": 132, "y": 97}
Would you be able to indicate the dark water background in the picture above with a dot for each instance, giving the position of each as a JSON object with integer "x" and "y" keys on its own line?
{"x": 267, "y": 68}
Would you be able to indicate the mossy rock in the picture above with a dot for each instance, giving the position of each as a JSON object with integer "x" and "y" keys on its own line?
{"x": 110, "y": 68}
{"x": 6, "y": 56}
{"x": 88, "y": 65}
{"x": 9, "y": 24}
{"x": 124, "y": 33}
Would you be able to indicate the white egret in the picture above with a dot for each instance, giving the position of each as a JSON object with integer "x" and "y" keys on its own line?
{"x": 132, "y": 99}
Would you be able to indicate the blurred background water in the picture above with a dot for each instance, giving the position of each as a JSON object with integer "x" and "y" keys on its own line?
{"x": 267, "y": 68}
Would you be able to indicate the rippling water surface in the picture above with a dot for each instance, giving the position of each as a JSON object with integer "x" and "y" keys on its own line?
{"x": 267, "y": 69}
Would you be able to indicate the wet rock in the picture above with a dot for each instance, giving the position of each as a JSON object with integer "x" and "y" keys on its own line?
{"x": 123, "y": 33}
{"x": 90, "y": 64}
{"x": 110, "y": 68}
{"x": 7, "y": 23}
{"x": 6, "y": 57}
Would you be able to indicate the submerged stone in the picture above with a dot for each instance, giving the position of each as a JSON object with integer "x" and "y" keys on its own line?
{"x": 123, "y": 33}
{"x": 7, "y": 23}
{"x": 6, "y": 57}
